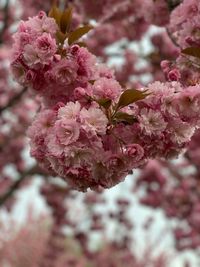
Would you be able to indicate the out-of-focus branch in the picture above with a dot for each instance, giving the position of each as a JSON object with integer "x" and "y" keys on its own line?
{"x": 172, "y": 38}
{"x": 13, "y": 100}
{"x": 173, "y": 4}
{"x": 5, "y": 20}
{"x": 16, "y": 184}
{"x": 173, "y": 169}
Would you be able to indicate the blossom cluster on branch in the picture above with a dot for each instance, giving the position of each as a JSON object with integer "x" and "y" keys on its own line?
{"x": 91, "y": 131}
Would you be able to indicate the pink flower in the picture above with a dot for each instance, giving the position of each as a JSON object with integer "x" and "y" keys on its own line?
{"x": 21, "y": 39}
{"x": 70, "y": 111}
{"x": 104, "y": 71}
{"x": 152, "y": 122}
{"x": 30, "y": 55}
{"x": 187, "y": 102}
{"x": 65, "y": 72}
{"x": 86, "y": 63}
{"x": 79, "y": 93}
{"x": 106, "y": 88}
{"x": 45, "y": 47}
{"x": 181, "y": 131}
{"x": 174, "y": 75}
{"x": 115, "y": 162}
{"x": 42, "y": 124}
{"x": 135, "y": 152}
{"x": 79, "y": 155}
{"x": 55, "y": 148}
{"x": 67, "y": 131}
{"x": 94, "y": 119}
{"x": 41, "y": 24}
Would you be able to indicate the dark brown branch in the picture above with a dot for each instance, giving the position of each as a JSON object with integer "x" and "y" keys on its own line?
{"x": 172, "y": 38}
{"x": 16, "y": 184}
{"x": 173, "y": 4}
{"x": 13, "y": 100}
{"x": 5, "y": 20}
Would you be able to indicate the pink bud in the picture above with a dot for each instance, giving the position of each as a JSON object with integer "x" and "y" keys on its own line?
{"x": 74, "y": 49}
{"x": 79, "y": 93}
{"x": 174, "y": 75}
{"x": 165, "y": 65}
{"x": 41, "y": 14}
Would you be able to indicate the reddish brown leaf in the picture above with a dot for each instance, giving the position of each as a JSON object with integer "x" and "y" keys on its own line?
{"x": 78, "y": 33}
{"x": 65, "y": 21}
{"x": 56, "y": 14}
{"x": 130, "y": 96}
{"x": 192, "y": 51}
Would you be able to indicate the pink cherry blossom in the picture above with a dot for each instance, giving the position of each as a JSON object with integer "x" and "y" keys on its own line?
{"x": 94, "y": 119}
{"x": 106, "y": 88}
{"x": 45, "y": 47}
{"x": 70, "y": 111}
{"x": 152, "y": 122}
{"x": 67, "y": 131}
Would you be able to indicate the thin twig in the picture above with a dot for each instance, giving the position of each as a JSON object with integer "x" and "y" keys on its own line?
{"x": 172, "y": 4}
{"x": 13, "y": 100}
{"x": 15, "y": 186}
{"x": 5, "y": 20}
{"x": 172, "y": 38}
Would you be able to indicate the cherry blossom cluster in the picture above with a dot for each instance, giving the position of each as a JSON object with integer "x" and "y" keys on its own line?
{"x": 42, "y": 64}
{"x": 90, "y": 131}
{"x": 184, "y": 32}
{"x": 184, "y": 23}
{"x": 79, "y": 142}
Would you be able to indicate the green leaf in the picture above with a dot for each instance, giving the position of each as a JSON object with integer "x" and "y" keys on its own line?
{"x": 192, "y": 51}
{"x": 104, "y": 102}
{"x": 65, "y": 21}
{"x": 78, "y": 33}
{"x": 56, "y": 14}
{"x": 124, "y": 117}
{"x": 130, "y": 96}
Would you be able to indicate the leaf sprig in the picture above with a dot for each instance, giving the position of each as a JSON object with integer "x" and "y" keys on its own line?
{"x": 128, "y": 97}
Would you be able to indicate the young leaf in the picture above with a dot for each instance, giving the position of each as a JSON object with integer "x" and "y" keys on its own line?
{"x": 78, "y": 33}
{"x": 65, "y": 21}
{"x": 192, "y": 51}
{"x": 92, "y": 81}
{"x": 125, "y": 117}
{"x": 61, "y": 37}
{"x": 130, "y": 96}
{"x": 104, "y": 102}
{"x": 56, "y": 14}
